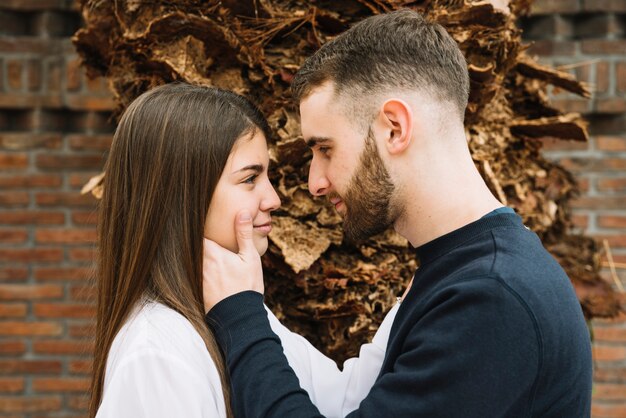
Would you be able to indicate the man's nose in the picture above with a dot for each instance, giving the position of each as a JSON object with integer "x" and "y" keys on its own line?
{"x": 318, "y": 182}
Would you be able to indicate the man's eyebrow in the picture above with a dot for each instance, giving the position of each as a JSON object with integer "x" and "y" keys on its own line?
{"x": 257, "y": 168}
{"x": 316, "y": 140}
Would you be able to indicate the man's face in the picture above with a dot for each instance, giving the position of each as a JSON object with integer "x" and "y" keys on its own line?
{"x": 346, "y": 166}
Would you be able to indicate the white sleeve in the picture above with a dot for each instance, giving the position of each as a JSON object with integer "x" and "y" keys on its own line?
{"x": 335, "y": 392}
{"x": 156, "y": 385}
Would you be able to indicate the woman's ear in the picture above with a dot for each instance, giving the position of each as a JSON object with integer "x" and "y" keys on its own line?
{"x": 397, "y": 118}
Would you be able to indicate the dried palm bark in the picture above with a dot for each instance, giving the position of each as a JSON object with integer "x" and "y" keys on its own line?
{"x": 333, "y": 293}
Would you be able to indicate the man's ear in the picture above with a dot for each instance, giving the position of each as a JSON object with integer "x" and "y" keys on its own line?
{"x": 397, "y": 119}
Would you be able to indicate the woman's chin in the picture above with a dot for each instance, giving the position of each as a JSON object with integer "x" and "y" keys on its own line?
{"x": 261, "y": 245}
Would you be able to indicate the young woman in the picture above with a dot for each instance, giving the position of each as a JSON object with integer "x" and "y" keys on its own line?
{"x": 184, "y": 161}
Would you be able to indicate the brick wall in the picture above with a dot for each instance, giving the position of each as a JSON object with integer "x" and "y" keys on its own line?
{"x": 54, "y": 132}
{"x": 588, "y": 38}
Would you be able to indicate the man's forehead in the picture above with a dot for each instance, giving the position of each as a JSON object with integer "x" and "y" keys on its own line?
{"x": 320, "y": 96}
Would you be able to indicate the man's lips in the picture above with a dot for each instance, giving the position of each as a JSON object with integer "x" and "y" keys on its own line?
{"x": 336, "y": 201}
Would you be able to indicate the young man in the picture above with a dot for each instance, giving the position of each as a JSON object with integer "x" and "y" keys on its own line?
{"x": 491, "y": 326}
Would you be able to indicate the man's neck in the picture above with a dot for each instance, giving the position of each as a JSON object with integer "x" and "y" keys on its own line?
{"x": 444, "y": 205}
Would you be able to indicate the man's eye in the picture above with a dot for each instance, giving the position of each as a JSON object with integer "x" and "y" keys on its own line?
{"x": 251, "y": 179}
{"x": 324, "y": 150}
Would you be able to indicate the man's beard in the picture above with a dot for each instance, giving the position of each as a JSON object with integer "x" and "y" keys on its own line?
{"x": 368, "y": 199}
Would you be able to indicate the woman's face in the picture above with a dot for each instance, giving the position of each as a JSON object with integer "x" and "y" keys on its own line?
{"x": 244, "y": 184}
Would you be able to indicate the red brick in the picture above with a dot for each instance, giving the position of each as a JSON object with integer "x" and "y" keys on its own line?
{"x": 54, "y": 69}
{"x": 81, "y": 347}
{"x": 30, "y": 45}
{"x": 80, "y": 366}
{"x": 608, "y": 410}
{"x": 14, "y": 74}
{"x": 65, "y": 236}
{"x": 60, "y": 273}
{"x": 80, "y": 402}
{"x": 90, "y": 142}
{"x": 69, "y": 162}
{"x": 609, "y": 334}
{"x": 34, "y": 74}
{"x": 610, "y": 105}
{"x": 80, "y": 102}
{"x": 620, "y": 76}
{"x": 32, "y": 218}
{"x": 82, "y": 254}
{"x": 97, "y": 85}
{"x": 21, "y": 100}
{"x": 609, "y": 391}
{"x": 609, "y": 374}
{"x": 30, "y": 366}
{"x": 594, "y": 164}
{"x": 30, "y": 292}
{"x": 14, "y": 199}
{"x": 73, "y": 74}
{"x": 29, "y": 141}
{"x": 30, "y": 180}
{"x": 29, "y": 404}
{"x": 85, "y": 218}
{"x": 612, "y": 221}
{"x": 615, "y": 241}
{"x": 602, "y": 77}
{"x": 64, "y": 384}
{"x": 597, "y": 26}
{"x": 607, "y": 202}
{"x": 10, "y": 161}
{"x": 86, "y": 292}
{"x": 29, "y": 255}
{"x": 611, "y": 143}
{"x": 30, "y": 328}
{"x": 13, "y": 310}
{"x": 11, "y": 384}
{"x": 603, "y": 352}
{"x": 12, "y": 347}
{"x": 82, "y": 330}
{"x": 580, "y": 221}
{"x": 612, "y": 184}
{"x": 13, "y": 274}
{"x": 603, "y": 46}
{"x": 13, "y": 236}
{"x": 78, "y": 180}
{"x": 72, "y": 199}
{"x": 65, "y": 310}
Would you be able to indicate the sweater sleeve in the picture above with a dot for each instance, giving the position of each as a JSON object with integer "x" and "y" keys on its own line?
{"x": 334, "y": 391}
{"x": 474, "y": 352}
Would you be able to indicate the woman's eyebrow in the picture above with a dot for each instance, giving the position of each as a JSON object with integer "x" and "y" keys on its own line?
{"x": 257, "y": 168}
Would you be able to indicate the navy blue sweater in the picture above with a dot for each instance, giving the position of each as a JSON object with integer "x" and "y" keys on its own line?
{"x": 491, "y": 327}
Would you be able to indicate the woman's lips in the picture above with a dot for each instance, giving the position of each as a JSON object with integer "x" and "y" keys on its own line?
{"x": 264, "y": 228}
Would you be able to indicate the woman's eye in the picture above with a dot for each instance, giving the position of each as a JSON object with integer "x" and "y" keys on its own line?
{"x": 251, "y": 179}
{"x": 324, "y": 150}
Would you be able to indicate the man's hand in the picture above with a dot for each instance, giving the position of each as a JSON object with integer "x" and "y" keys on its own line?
{"x": 225, "y": 273}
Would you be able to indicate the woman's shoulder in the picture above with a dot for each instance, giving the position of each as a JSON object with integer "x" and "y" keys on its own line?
{"x": 154, "y": 329}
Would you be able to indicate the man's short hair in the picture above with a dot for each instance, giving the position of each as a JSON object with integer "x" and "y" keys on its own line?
{"x": 394, "y": 51}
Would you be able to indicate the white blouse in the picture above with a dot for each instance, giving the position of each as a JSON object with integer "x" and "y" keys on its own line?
{"x": 158, "y": 367}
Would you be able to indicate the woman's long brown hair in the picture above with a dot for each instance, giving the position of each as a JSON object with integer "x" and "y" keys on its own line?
{"x": 168, "y": 153}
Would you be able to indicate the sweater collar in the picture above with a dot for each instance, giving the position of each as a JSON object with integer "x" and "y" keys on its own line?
{"x": 446, "y": 243}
